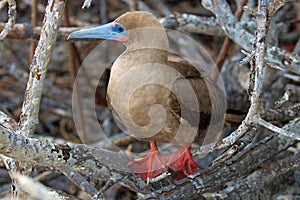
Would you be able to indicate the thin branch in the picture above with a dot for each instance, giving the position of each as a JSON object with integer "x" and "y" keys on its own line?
{"x": 12, "y": 13}
{"x": 227, "y": 44}
{"x": 75, "y": 61}
{"x": 44, "y": 153}
{"x": 34, "y": 21}
{"x": 78, "y": 180}
{"x": 34, "y": 189}
{"x": 236, "y": 32}
{"x": 257, "y": 74}
{"x": 192, "y": 23}
{"x": 250, "y": 186}
{"x": 275, "y": 6}
{"x": 30, "y": 110}
{"x": 7, "y": 121}
{"x": 241, "y": 165}
{"x": 86, "y": 4}
{"x": 159, "y": 6}
{"x": 27, "y": 31}
{"x": 276, "y": 129}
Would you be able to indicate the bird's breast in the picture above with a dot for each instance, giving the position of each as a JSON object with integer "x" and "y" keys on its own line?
{"x": 139, "y": 95}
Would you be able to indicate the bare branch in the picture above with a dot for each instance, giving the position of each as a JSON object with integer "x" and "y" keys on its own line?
{"x": 12, "y": 12}
{"x": 7, "y": 121}
{"x": 235, "y": 31}
{"x": 78, "y": 180}
{"x": 274, "y": 6}
{"x": 194, "y": 24}
{"x": 30, "y": 110}
{"x": 35, "y": 189}
{"x": 44, "y": 153}
{"x": 239, "y": 166}
{"x": 276, "y": 129}
{"x": 256, "y": 78}
{"x": 27, "y": 31}
{"x": 86, "y": 4}
{"x": 250, "y": 186}
{"x": 282, "y": 114}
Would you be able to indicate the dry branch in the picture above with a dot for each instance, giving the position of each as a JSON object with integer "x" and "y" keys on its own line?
{"x": 277, "y": 57}
{"x": 27, "y": 31}
{"x": 250, "y": 186}
{"x": 192, "y": 23}
{"x": 44, "y": 153}
{"x": 257, "y": 72}
{"x": 35, "y": 189}
{"x": 108, "y": 164}
{"x": 38, "y": 69}
{"x": 12, "y": 12}
{"x": 241, "y": 165}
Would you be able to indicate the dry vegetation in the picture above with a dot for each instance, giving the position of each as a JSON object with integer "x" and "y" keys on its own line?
{"x": 255, "y": 44}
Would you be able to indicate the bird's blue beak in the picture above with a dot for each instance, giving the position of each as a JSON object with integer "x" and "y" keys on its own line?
{"x": 110, "y": 31}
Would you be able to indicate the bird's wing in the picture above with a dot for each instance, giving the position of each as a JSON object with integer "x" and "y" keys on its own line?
{"x": 195, "y": 97}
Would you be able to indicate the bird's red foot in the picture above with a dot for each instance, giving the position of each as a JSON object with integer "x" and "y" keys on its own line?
{"x": 150, "y": 166}
{"x": 154, "y": 163}
{"x": 182, "y": 161}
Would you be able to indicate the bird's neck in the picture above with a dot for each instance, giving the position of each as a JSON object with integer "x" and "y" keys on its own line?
{"x": 151, "y": 42}
{"x": 144, "y": 56}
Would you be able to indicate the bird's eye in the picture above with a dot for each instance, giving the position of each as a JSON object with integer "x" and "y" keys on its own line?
{"x": 120, "y": 29}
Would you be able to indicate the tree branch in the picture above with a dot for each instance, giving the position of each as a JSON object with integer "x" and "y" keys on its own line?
{"x": 44, "y": 153}
{"x": 256, "y": 76}
{"x": 12, "y": 13}
{"x": 235, "y": 31}
{"x": 241, "y": 165}
{"x": 30, "y": 110}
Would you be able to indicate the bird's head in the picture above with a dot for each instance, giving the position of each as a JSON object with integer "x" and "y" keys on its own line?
{"x": 119, "y": 29}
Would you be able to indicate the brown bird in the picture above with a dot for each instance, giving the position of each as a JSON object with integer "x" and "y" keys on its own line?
{"x": 156, "y": 98}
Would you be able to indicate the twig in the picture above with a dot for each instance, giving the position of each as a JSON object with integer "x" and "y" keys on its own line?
{"x": 103, "y": 8}
{"x": 27, "y": 31}
{"x": 86, "y": 4}
{"x": 142, "y": 6}
{"x": 234, "y": 149}
{"x": 292, "y": 76}
{"x": 35, "y": 189}
{"x": 295, "y": 136}
{"x": 44, "y": 153}
{"x": 34, "y": 20}
{"x": 30, "y": 110}
{"x": 194, "y": 24}
{"x": 250, "y": 186}
{"x": 274, "y": 6}
{"x": 282, "y": 114}
{"x": 78, "y": 180}
{"x": 113, "y": 180}
{"x": 225, "y": 49}
{"x": 81, "y": 130}
{"x": 236, "y": 32}
{"x": 12, "y": 12}
{"x": 257, "y": 78}
{"x": 239, "y": 166}
{"x": 7, "y": 121}
{"x": 132, "y": 5}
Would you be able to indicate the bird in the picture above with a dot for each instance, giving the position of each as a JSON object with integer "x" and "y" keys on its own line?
{"x": 156, "y": 97}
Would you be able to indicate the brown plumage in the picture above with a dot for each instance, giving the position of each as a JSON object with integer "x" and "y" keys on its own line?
{"x": 157, "y": 98}
{"x": 143, "y": 49}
